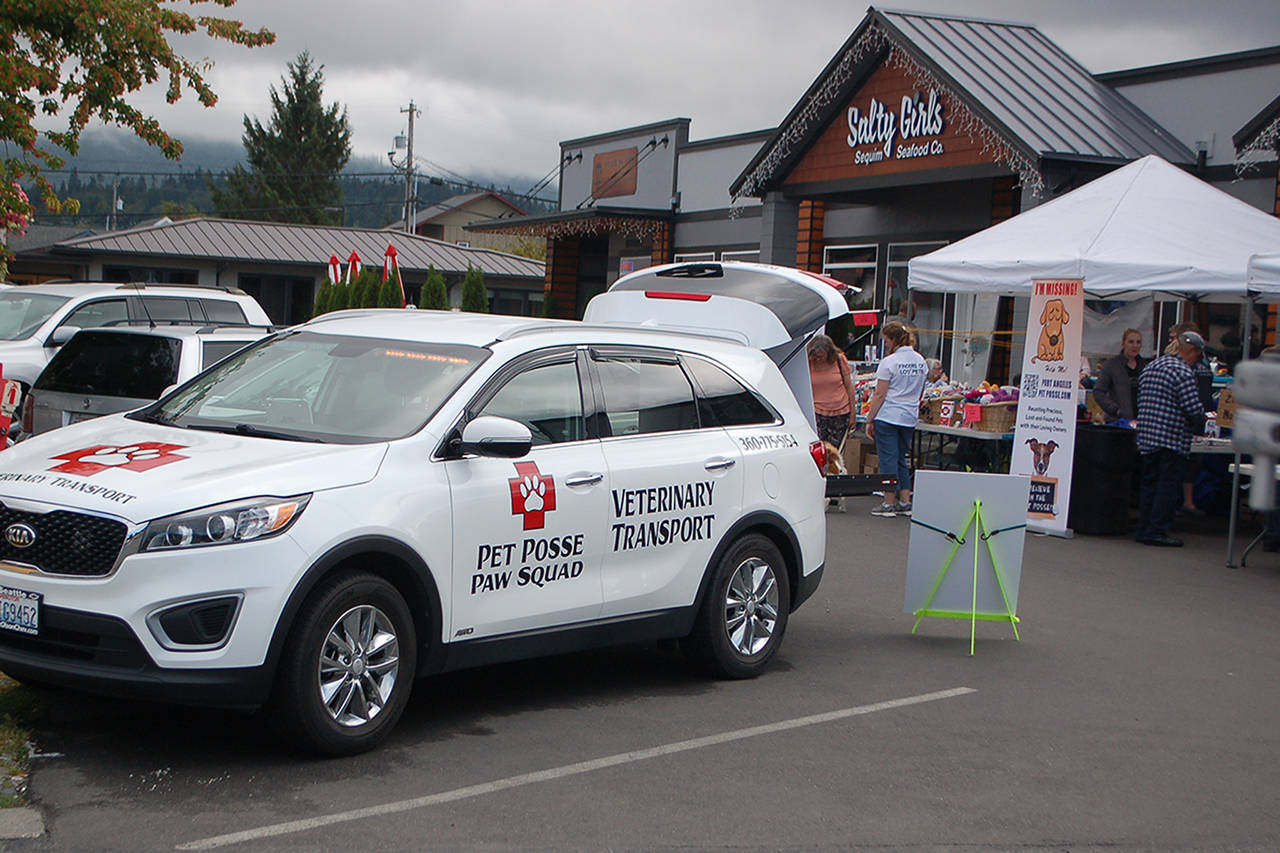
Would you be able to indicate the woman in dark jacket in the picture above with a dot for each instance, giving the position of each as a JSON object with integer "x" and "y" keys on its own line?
{"x": 1116, "y": 390}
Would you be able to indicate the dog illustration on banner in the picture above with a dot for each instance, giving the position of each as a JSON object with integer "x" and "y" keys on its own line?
{"x": 1053, "y": 318}
{"x": 1040, "y": 453}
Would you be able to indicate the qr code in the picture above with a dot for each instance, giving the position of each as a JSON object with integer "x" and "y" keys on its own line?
{"x": 1030, "y": 385}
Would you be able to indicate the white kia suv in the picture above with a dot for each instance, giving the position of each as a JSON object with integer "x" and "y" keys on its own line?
{"x": 379, "y": 495}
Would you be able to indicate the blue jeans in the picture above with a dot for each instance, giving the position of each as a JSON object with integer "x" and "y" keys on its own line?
{"x": 1161, "y": 493}
{"x": 892, "y": 444}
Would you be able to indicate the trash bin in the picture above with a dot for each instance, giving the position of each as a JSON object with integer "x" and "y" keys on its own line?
{"x": 1102, "y": 479}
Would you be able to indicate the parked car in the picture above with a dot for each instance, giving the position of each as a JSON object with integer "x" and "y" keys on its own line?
{"x": 379, "y": 495}
{"x": 37, "y": 319}
{"x": 104, "y": 371}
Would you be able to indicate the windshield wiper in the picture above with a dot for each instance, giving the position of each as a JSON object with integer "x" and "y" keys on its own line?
{"x": 256, "y": 432}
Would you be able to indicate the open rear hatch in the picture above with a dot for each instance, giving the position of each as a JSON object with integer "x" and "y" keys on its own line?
{"x": 775, "y": 309}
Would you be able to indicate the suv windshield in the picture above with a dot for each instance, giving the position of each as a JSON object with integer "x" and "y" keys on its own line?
{"x": 322, "y": 387}
{"x": 22, "y": 313}
{"x": 113, "y": 364}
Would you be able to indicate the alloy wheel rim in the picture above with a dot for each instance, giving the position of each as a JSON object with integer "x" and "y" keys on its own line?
{"x": 359, "y": 663}
{"x": 751, "y": 606}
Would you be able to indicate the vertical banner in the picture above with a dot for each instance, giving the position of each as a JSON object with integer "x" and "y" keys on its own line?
{"x": 1044, "y": 439}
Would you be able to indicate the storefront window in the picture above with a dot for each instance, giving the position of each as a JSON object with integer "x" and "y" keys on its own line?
{"x": 919, "y": 309}
{"x": 855, "y": 266}
{"x": 750, "y": 257}
{"x": 695, "y": 257}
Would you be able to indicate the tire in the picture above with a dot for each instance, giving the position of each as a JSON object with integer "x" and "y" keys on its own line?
{"x": 744, "y": 615}
{"x": 332, "y": 701}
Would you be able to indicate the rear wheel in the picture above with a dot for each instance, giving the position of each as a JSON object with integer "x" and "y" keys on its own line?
{"x": 744, "y": 615}
{"x": 348, "y": 666}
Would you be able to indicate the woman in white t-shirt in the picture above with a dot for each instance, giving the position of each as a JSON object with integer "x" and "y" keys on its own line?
{"x": 894, "y": 411}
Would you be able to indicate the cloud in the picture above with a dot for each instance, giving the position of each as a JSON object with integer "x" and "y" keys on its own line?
{"x": 500, "y": 84}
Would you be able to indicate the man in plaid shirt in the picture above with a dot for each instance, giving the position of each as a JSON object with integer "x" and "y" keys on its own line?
{"x": 1169, "y": 412}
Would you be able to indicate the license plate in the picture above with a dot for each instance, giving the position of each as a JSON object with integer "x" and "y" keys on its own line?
{"x": 19, "y": 610}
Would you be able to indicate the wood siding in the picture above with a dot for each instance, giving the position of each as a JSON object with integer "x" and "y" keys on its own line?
{"x": 831, "y": 159}
{"x": 812, "y": 219}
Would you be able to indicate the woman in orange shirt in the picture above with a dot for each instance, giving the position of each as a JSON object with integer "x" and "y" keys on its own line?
{"x": 833, "y": 394}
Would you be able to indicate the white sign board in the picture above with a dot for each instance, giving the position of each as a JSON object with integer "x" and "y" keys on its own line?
{"x": 944, "y": 501}
{"x": 1044, "y": 438}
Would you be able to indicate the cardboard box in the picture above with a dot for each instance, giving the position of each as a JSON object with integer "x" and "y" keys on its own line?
{"x": 855, "y": 449}
{"x": 870, "y": 464}
{"x": 1226, "y": 409}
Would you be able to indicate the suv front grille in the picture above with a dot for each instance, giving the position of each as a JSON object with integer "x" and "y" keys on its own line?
{"x": 66, "y": 543}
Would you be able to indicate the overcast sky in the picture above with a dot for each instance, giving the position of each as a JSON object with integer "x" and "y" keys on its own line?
{"x": 501, "y": 83}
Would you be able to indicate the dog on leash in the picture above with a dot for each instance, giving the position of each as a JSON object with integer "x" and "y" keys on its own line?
{"x": 835, "y": 465}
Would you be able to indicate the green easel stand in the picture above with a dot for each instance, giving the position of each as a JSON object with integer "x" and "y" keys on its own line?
{"x": 975, "y": 523}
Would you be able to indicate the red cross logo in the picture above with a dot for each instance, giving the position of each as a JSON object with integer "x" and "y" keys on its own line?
{"x": 533, "y": 494}
{"x": 142, "y": 456}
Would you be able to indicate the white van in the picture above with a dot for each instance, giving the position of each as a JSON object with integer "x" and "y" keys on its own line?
{"x": 375, "y": 496}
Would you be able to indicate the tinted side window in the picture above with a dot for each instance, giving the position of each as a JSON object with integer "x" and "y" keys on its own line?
{"x": 643, "y": 396}
{"x": 166, "y": 308}
{"x": 547, "y": 399}
{"x": 113, "y": 365}
{"x": 211, "y": 352}
{"x": 723, "y": 400}
{"x": 98, "y": 313}
{"x": 223, "y": 311}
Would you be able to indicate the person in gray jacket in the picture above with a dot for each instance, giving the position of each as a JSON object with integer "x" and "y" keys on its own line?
{"x": 1116, "y": 390}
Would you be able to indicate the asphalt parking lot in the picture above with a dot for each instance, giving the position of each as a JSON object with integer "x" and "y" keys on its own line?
{"x": 1139, "y": 711}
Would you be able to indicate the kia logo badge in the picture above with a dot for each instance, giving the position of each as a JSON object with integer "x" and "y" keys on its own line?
{"x": 20, "y": 535}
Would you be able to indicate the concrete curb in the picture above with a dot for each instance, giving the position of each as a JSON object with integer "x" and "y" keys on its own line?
{"x": 21, "y": 822}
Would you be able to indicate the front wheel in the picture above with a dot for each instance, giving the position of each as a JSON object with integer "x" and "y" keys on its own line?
{"x": 348, "y": 667}
{"x": 744, "y": 615}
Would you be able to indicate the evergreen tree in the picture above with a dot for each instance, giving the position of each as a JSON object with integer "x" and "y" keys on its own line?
{"x": 324, "y": 297}
{"x": 475, "y": 297}
{"x": 340, "y": 298}
{"x": 365, "y": 292}
{"x": 434, "y": 294}
{"x": 294, "y": 161}
{"x": 389, "y": 294}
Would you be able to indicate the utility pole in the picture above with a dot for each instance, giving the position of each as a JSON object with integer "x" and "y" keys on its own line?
{"x": 115, "y": 204}
{"x": 408, "y": 172}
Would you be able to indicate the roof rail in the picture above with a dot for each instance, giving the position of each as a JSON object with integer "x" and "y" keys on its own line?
{"x": 143, "y": 285}
{"x": 200, "y": 325}
{"x": 561, "y": 325}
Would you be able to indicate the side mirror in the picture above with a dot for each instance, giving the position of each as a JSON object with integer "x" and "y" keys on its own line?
{"x": 488, "y": 435}
{"x": 61, "y": 335}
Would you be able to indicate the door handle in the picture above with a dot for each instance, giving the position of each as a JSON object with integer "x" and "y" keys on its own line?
{"x": 719, "y": 464}
{"x": 583, "y": 480}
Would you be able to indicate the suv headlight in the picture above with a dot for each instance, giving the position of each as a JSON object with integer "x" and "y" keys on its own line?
{"x": 238, "y": 521}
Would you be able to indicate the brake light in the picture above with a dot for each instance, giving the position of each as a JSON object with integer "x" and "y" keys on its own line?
{"x": 671, "y": 294}
{"x": 818, "y": 451}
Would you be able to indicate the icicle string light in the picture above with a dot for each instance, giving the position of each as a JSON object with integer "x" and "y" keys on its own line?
{"x": 873, "y": 41}
{"x": 639, "y": 229}
{"x": 1266, "y": 143}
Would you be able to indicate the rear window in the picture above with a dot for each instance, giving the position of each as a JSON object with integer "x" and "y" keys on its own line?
{"x": 723, "y": 400}
{"x": 213, "y": 352}
{"x": 223, "y": 311}
{"x": 113, "y": 364}
{"x": 21, "y": 314}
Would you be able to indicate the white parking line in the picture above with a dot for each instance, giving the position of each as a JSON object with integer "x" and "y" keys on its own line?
{"x": 563, "y": 772}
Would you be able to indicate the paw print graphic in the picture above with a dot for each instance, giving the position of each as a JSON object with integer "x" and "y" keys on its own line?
{"x": 114, "y": 456}
{"x": 532, "y": 490}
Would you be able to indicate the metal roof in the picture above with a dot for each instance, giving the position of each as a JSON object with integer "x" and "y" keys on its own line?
{"x": 451, "y": 204}
{"x": 1043, "y": 103}
{"x": 284, "y": 243}
{"x": 1041, "y": 95}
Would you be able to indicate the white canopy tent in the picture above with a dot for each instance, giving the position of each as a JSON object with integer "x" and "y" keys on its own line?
{"x": 1148, "y": 228}
{"x": 1264, "y": 273}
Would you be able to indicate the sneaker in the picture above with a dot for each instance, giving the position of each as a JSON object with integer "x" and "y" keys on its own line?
{"x": 902, "y": 509}
{"x": 885, "y": 511}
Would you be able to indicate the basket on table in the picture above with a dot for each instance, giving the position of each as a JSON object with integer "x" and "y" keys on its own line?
{"x": 998, "y": 417}
{"x": 932, "y": 413}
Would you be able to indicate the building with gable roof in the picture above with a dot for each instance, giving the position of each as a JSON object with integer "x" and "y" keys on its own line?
{"x": 922, "y": 129}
